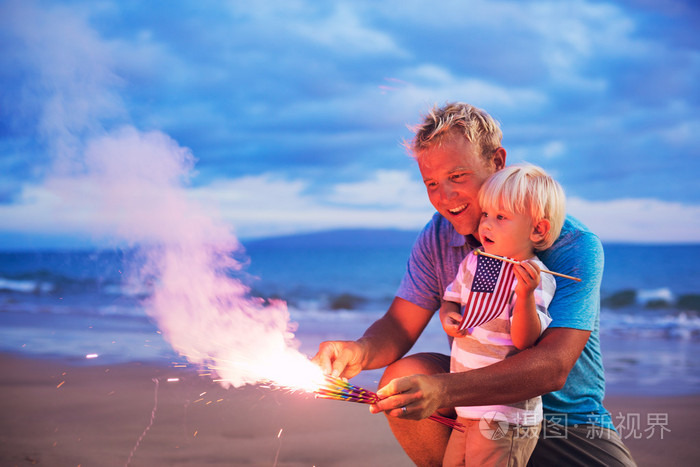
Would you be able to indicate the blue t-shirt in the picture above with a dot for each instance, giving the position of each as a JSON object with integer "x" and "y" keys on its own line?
{"x": 433, "y": 265}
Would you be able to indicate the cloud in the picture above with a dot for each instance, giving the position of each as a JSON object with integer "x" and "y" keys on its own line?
{"x": 131, "y": 188}
{"x": 385, "y": 189}
{"x": 344, "y": 33}
{"x": 68, "y": 83}
{"x": 311, "y": 100}
{"x": 271, "y": 204}
{"x": 639, "y": 220}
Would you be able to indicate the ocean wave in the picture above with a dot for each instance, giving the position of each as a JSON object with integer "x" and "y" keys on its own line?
{"x": 25, "y": 286}
{"x": 662, "y": 297}
{"x": 65, "y": 286}
{"x": 637, "y": 323}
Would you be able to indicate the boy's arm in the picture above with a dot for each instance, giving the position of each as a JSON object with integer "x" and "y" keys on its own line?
{"x": 525, "y": 325}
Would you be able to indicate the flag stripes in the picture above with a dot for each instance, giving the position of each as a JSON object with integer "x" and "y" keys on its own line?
{"x": 490, "y": 292}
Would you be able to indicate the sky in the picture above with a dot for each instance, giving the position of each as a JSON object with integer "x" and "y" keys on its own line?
{"x": 290, "y": 116}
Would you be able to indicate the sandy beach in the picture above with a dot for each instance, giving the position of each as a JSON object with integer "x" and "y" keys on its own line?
{"x": 59, "y": 414}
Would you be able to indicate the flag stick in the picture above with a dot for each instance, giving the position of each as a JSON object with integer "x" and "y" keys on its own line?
{"x": 508, "y": 260}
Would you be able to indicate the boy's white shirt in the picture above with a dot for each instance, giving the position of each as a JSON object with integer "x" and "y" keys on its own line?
{"x": 531, "y": 411}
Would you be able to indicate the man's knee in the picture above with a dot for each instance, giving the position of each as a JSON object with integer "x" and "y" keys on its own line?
{"x": 416, "y": 364}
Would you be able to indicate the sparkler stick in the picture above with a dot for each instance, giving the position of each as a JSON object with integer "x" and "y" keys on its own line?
{"x": 339, "y": 389}
{"x": 508, "y": 260}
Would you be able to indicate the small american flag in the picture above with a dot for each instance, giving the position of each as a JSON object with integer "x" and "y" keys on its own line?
{"x": 490, "y": 292}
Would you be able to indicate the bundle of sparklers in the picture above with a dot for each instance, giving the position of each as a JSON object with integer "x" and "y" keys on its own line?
{"x": 339, "y": 389}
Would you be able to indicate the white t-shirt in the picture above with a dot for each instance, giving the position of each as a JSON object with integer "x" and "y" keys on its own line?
{"x": 491, "y": 342}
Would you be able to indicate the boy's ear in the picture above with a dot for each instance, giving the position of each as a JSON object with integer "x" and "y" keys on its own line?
{"x": 540, "y": 230}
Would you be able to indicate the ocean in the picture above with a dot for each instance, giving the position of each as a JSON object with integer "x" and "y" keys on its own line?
{"x": 85, "y": 305}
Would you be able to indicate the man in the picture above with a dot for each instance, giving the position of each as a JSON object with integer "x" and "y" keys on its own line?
{"x": 457, "y": 148}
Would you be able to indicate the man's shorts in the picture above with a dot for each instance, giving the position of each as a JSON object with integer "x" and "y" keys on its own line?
{"x": 582, "y": 445}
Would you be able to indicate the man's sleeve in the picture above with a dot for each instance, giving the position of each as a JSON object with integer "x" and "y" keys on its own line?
{"x": 420, "y": 283}
{"x": 577, "y": 304}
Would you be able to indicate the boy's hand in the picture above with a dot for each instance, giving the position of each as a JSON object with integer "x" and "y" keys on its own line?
{"x": 528, "y": 275}
{"x": 451, "y": 319}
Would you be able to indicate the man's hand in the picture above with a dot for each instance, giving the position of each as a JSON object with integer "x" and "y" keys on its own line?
{"x": 385, "y": 341}
{"x": 340, "y": 358}
{"x": 420, "y": 394}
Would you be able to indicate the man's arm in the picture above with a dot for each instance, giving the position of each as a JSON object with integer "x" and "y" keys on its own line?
{"x": 538, "y": 370}
{"x": 385, "y": 341}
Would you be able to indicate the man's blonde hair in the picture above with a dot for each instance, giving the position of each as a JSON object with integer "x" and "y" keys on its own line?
{"x": 475, "y": 124}
{"x": 527, "y": 189}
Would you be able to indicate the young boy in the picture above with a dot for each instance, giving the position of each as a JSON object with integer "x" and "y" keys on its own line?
{"x": 505, "y": 309}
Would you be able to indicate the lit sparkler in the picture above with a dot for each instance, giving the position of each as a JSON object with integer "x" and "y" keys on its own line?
{"x": 296, "y": 373}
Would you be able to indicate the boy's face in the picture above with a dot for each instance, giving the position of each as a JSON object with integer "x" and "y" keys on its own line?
{"x": 453, "y": 172}
{"x": 506, "y": 233}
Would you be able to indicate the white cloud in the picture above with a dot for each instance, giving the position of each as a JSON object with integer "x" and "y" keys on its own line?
{"x": 681, "y": 133}
{"x": 639, "y": 220}
{"x": 434, "y": 84}
{"x": 413, "y": 91}
{"x": 344, "y": 32}
{"x": 270, "y": 204}
{"x": 296, "y": 63}
{"x": 553, "y": 149}
{"x": 72, "y": 79}
{"x": 386, "y": 188}
{"x": 537, "y": 153}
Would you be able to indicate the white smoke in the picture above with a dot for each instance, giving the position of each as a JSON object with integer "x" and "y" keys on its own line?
{"x": 132, "y": 185}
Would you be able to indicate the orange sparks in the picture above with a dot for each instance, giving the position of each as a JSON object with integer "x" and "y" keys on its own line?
{"x": 280, "y": 433}
{"x": 60, "y": 384}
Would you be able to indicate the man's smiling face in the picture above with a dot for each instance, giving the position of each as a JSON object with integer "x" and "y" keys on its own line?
{"x": 453, "y": 171}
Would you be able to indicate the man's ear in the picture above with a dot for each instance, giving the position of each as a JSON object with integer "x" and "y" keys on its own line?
{"x": 540, "y": 230}
{"x": 499, "y": 159}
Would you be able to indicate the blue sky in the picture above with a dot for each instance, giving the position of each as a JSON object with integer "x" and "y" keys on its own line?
{"x": 291, "y": 114}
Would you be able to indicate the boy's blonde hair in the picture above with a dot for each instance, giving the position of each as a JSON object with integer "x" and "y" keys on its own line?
{"x": 523, "y": 189}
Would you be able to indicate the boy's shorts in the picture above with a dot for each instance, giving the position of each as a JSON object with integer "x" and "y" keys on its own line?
{"x": 491, "y": 443}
